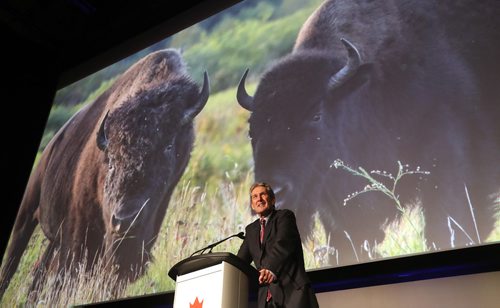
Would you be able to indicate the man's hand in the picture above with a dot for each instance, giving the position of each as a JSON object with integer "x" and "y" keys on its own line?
{"x": 266, "y": 276}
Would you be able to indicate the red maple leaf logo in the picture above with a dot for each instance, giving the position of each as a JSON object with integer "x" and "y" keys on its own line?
{"x": 196, "y": 304}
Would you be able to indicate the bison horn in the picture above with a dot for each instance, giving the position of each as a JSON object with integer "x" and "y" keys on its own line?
{"x": 245, "y": 100}
{"x": 200, "y": 103}
{"x": 353, "y": 63}
{"x": 102, "y": 140}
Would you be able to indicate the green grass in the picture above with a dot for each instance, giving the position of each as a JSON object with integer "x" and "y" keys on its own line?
{"x": 495, "y": 235}
{"x": 404, "y": 236}
{"x": 194, "y": 220}
{"x": 16, "y": 294}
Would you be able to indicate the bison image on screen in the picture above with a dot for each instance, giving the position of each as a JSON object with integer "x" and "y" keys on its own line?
{"x": 103, "y": 183}
{"x": 373, "y": 83}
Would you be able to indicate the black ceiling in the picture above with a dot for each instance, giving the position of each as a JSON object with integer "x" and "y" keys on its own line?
{"x": 77, "y": 30}
{"x": 44, "y": 42}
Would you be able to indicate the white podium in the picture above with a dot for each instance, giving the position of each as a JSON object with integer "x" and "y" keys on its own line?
{"x": 214, "y": 280}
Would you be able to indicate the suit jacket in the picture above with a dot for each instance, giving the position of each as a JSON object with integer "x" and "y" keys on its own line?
{"x": 281, "y": 253}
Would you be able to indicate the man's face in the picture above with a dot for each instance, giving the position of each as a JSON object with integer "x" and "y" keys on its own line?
{"x": 262, "y": 204}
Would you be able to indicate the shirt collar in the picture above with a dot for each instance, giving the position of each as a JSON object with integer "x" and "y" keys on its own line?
{"x": 266, "y": 218}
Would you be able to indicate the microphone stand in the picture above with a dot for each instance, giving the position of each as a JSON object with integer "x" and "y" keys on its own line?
{"x": 241, "y": 235}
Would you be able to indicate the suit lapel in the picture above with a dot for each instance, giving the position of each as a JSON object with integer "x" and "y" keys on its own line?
{"x": 255, "y": 232}
{"x": 254, "y": 244}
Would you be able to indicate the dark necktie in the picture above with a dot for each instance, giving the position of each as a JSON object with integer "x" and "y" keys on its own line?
{"x": 262, "y": 231}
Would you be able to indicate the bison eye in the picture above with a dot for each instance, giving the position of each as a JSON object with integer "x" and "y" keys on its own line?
{"x": 169, "y": 147}
{"x": 317, "y": 117}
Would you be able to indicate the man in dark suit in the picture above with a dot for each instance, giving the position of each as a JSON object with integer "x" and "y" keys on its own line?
{"x": 276, "y": 250}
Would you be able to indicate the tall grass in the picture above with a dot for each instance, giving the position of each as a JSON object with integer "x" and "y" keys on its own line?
{"x": 404, "y": 235}
{"x": 17, "y": 291}
{"x": 194, "y": 220}
{"x": 495, "y": 235}
{"x": 74, "y": 285}
{"x": 77, "y": 286}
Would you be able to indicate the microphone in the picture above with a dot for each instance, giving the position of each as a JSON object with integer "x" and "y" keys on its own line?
{"x": 241, "y": 235}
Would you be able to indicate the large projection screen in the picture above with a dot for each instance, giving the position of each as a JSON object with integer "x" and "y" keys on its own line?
{"x": 376, "y": 122}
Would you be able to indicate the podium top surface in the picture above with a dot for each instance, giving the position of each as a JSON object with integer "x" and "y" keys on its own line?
{"x": 198, "y": 262}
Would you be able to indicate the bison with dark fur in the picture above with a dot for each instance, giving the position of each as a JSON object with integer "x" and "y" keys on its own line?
{"x": 376, "y": 82}
{"x": 103, "y": 184}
